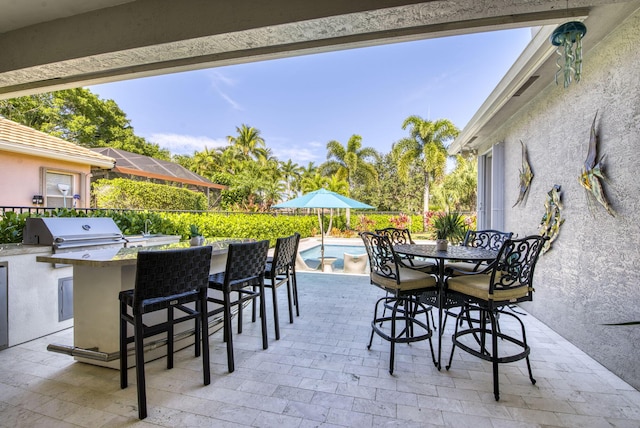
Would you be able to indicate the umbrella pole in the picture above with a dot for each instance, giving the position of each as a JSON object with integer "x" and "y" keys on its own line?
{"x": 322, "y": 238}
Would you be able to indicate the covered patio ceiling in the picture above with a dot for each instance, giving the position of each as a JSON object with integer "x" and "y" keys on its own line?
{"x": 69, "y": 43}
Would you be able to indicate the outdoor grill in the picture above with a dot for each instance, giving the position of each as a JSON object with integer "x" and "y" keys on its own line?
{"x": 66, "y": 234}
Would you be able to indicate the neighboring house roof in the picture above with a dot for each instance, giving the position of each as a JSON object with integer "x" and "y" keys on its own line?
{"x": 144, "y": 166}
{"x": 18, "y": 138}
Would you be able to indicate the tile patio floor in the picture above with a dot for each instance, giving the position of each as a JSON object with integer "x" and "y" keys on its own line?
{"x": 320, "y": 373}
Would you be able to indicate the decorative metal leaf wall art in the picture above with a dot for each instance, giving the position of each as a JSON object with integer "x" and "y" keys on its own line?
{"x": 593, "y": 171}
{"x": 552, "y": 218}
{"x": 526, "y": 175}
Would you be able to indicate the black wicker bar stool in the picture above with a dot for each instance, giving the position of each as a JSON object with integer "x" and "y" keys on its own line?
{"x": 244, "y": 275}
{"x": 165, "y": 281}
{"x": 281, "y": 270}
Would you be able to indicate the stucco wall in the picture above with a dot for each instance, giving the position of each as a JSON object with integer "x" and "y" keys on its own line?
{"x": 20, "y": 178}
{"x": 591, "y": 274}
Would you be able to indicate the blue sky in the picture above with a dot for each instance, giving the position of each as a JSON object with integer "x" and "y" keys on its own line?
{"x": 300, "y": 104}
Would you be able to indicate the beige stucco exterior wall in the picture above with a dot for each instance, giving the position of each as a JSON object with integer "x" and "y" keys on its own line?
{"x": 591, "y": 276}
{"x": 20, "y": 178}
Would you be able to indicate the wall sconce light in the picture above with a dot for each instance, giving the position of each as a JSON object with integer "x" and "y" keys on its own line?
{"x": 569, "y": 57}
{"x": 37, "y": 199}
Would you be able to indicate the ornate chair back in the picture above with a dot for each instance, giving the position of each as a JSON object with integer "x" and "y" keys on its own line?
{"x": 383, "y": 260}
{"x": 512, "y": 276}
{"x": 396, "y": 236}
{"x": 488, "y": 239}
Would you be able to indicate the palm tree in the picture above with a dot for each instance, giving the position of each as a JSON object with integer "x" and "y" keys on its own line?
{"x": 351, "y": 163}
{"x": 291, "y": 172}
{"x": 315, "y": 182}
{"x": 427, "y": 147}
{"x": 248, "y": 143}
{"x": 204, "y": 162}
{"x": 461, "y": 184}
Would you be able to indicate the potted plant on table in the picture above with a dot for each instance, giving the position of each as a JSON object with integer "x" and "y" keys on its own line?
{"x": 448, "y": 227}
{"x": 195, "y": 235}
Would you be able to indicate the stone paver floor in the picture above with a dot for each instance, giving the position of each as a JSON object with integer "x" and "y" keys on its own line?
{"x": 320, "y": 373}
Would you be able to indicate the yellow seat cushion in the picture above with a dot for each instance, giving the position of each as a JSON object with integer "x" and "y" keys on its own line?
{"x": 465, "y": 266}
{"x": 410, "y": 279}
{"x": 478, "y": 286}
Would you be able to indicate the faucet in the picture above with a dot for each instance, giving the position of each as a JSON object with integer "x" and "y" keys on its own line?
{"x": 147, "y": 222}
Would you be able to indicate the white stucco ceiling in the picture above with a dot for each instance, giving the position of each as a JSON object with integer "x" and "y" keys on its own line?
{"x": 23, "y": 13}
{"x": 49, "y": 45}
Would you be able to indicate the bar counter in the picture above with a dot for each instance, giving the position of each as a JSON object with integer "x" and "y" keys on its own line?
{"x": 98, "y": 277}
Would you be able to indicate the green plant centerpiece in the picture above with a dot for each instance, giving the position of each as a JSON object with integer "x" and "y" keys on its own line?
{"x": 195, "y": 235}
{"x": 448, "y": 227}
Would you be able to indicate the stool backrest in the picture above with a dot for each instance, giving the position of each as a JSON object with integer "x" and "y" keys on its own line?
{"x": 396, "y": 236}
{"x": 383, "y": 260}
{"x": 284, "y": 254}
{"x": 488, "y": 239}
{"x": 516, "y": 263}
{"x": 162, "y": 274}
{"x": 246, "y": 262}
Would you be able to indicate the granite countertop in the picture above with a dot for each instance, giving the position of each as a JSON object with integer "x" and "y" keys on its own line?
{"x": 124, "y": 256}
{"x": 18, "y": 249}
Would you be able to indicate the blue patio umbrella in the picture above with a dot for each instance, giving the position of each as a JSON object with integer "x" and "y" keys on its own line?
{"x": 322, "y": 199}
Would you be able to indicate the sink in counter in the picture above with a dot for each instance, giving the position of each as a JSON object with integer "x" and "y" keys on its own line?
{"x": 145, "y": 240}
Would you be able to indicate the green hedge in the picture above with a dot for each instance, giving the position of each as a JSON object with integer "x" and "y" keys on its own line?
{"x": 129, "y": 194}
{"x": 212, "y": 225}
{"x": 257, "y": 226}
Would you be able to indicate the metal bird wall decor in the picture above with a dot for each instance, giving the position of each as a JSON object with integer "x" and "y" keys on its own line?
{"x": 552, "y": 218}
{"x": 593, "y": 172}
{"x": 526, "y": 175}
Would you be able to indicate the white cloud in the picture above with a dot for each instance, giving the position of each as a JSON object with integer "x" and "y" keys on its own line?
{"x": 301, "y": 156}
{"x": 218, "y": 82}
{"x": 179, "y": 144}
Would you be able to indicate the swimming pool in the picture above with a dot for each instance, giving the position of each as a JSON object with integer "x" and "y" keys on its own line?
{"x": 311, "y": 256}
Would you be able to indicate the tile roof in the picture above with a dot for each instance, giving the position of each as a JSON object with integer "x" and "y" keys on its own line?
{"x": 145, "y": 166}
{"x": 18, "y": 138}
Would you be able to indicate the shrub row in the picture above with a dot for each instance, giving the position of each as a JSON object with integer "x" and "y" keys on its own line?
{"x": 257, "y": 226}
{"x": 130, "y": 194}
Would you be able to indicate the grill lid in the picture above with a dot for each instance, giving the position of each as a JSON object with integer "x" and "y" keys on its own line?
{"x": 71, "y": 231}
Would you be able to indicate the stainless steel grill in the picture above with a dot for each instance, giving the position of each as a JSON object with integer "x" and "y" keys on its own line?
{"x": 73, "y": 233}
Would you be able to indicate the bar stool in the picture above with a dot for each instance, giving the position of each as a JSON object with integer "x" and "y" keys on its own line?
{"x": 244, "y": 274}
{"x": 403, "y": 287}
{"x": 165, "y": 281}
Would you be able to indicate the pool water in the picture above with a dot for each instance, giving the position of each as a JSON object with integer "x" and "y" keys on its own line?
{"x": 311, "y": 256}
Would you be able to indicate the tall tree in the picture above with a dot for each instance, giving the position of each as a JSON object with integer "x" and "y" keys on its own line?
{"x": 248, "y": 142}
{"x": 425, "y": 147}
{"x": 351, "y": 162}
{"x": 292, "y": 174}
{"x": 80, "y": 116}
{"x": 461, "y": 184}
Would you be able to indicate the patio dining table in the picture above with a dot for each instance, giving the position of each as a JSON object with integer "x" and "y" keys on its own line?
{"x": 453, "y": 253}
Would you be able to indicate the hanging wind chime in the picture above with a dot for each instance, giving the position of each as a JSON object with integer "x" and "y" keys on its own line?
{"x": 568, "y": 38}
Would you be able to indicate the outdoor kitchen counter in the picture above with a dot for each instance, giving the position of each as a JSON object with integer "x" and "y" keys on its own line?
{"x": 109, "y": 257}
{"x": 98, "y": 278}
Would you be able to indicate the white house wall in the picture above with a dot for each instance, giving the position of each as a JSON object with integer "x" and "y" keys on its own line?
{"x": 591, "y": 276}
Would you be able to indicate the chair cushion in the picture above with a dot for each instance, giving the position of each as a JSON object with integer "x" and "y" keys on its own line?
{"x": 419, "y": 264}
{"x": 465, "y": 266}
{"x": 410, "y": 279}
{"x": 478, "y": 286}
